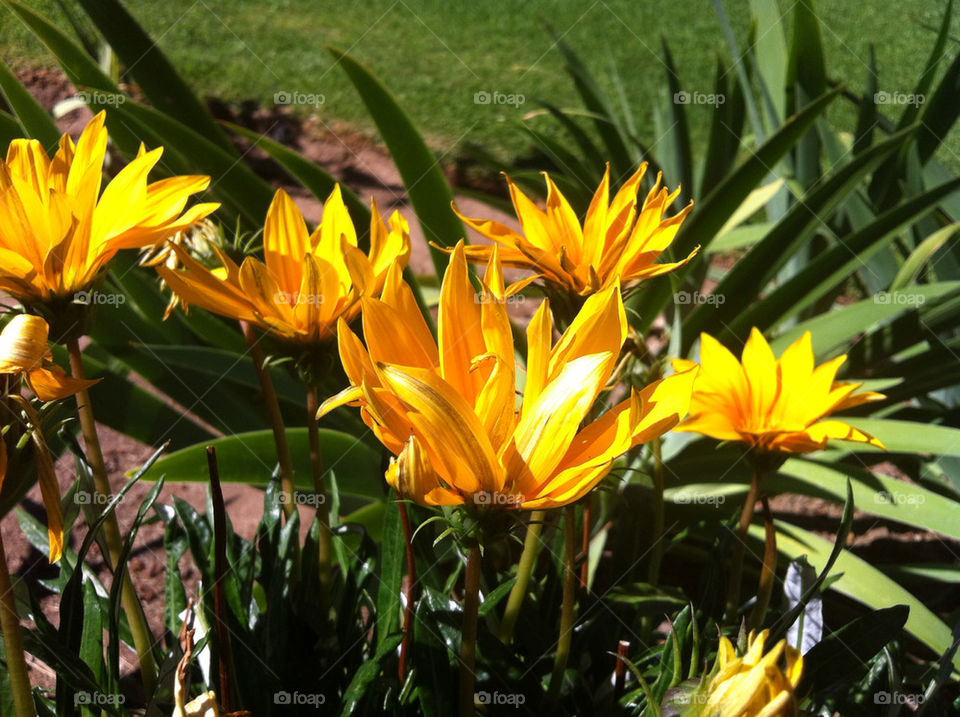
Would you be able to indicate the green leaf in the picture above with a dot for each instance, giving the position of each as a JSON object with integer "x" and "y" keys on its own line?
{"x": 754, "y": 271}
{"x": 32, "y": 118}
{"x": 392, "y": 552}
{"x": 605, "y": 120}
{"x": 718, "y": 206}
{"x": 318, "y": 181}
{"x": 921, "y": 255}
{"x": 250, "y": 457}
{"x": 81, "y": 70}
{"x": 153, "y": 72}
{"x": 829, "y": 268}
{"x": 423, "y": 179}
{"x": 844, "y": 655}
{"x": 908, "y": 437}
{"x": 862, "y": 582}
{"x": 831, "y": 331}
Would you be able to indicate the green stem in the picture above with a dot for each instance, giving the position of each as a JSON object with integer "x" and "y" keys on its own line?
{"x": 566, "y": 610}
{"x": 528, "y": 558}
{"x": 142, "y": 637}
{"x": 468, "y": 640}
{"x": 739, "y": 545}
{"x": 765, "y": 586}
{"x": 325, "y": 543}
{"x": 13, "y": 644}
{"x": 659, "y": 522}
{"x": 287, "y": 485}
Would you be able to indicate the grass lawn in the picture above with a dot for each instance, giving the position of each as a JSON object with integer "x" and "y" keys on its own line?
{"x": 437, "y": 55}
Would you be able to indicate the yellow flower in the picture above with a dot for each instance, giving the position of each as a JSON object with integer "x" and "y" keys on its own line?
{"x": 308, "y": 282}
{"x": 756, "y": 684}
{"x": 771, "y": 404}
{"x": 58, "y": 232}
{"x": 616, "y": 243}
{"x": 448, "y": 409}
{"x": 24, "y": 352}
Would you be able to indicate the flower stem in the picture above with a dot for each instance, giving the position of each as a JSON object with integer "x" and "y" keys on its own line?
{"x": 585, "y": 545}
{"x": 739, "y": 545}
{"x": 765, "y": 586}
{"x": 468, "y": 640}
{"x": 566, "y": 610}
{"x": 656, "y": 550}
{"x": 142, "y": 637}
{"x": 13, "y": 644}
{"x": 287, "y": 485}
{"x": 528, "y": 558}
{"x": 325, "y": 543}
{"x": 409, "y": 590}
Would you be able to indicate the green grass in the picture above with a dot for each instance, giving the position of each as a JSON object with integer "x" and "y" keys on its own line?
{"x": 436, "y": 55}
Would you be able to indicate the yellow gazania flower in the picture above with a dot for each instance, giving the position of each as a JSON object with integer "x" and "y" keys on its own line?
{"x": 616, "y": 243}
{"x": 58, "y": 232}
{"x": 308, "y": 282}
{"x": 771, "y": 404}
{"x": 756, "y": 684}
{"x": 24, "y": 352}
{"x": 449, "y": 409}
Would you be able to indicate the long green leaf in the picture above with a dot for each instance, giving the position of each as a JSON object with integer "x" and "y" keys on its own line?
{"x": 753, "y": 272}
{"x": 711, "y": 213}
{"x": 422, "y": 177}
{"x": 860, "y": 581}
{"x": 250, "y": 458}
{"x": 153, "y": 72}
{"x": 921, "y": 255}
{"x": 831, "y": 267}
{"x": 33, "y": 119}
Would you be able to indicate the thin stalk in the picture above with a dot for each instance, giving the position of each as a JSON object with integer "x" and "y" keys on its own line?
{"x": 13, "y": 644}
{"x": 142, "y": 637}
{"x": 408, "y": 590}
{"x": 325, "y": 543}
{"x": 219, "y": 587}
{"x": 468, "y": 640}
{"x": 656, "y": 550}
{"x": 287, "y": 485}
{"x": 566, "y": 610}
{"x": 765, "y": 586}
{"x": 585, "y": 545}
{"x": 528, "y": 558}
{"x": 739, "y": 545}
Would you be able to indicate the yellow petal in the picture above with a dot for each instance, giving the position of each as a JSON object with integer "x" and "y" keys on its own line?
{"x": 460, "y": 329}
{"x": 447, "y": 426}
{"x": 285, "y": 242}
